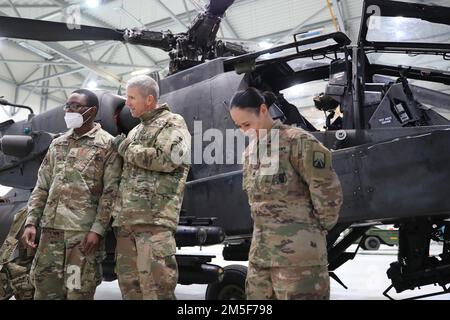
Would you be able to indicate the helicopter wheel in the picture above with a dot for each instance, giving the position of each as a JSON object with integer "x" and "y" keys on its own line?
{"x": 371, "y": 243}
{"x": 232, "y": 285}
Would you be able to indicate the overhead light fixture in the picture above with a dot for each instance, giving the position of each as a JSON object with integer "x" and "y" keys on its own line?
{"x": 39, "y": 52}
{"x": 92, "y": 84}
{"x": 141, "y": 71}
{"x": 92, "y": 3}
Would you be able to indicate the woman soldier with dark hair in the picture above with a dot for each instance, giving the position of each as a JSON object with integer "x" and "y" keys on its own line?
{"x": 293, "y": 204}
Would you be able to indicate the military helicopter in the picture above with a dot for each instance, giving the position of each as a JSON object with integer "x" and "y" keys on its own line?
{"x": 390, "y": 146}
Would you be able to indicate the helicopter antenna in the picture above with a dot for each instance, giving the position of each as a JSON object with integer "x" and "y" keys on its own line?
{"x": 6, "y": 103}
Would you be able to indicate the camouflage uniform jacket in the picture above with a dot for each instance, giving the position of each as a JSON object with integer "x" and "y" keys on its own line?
{"x": 153, "y": 178}
{"x": 293, "y": 205}
{"x": 77, "y": 183}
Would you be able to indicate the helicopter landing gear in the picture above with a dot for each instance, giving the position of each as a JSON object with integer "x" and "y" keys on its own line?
{"x": 231, "y": 285}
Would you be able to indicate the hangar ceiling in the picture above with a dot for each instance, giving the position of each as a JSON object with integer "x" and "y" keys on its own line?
{"x": 42, "y": 75}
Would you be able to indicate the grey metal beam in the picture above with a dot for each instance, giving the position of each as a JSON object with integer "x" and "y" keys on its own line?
{"x": 145, "y": 54}
{"x": 29, "y": 93}
{"x": 50, "y": 14}
{"x": 301, "y": 24}
{"x": 131, "y": 16}
{"x": 14, "y": 8}
{"x": 107, "y": 51}
{"x": 60, "y": 83}
{"x": 170, "y": 12}
{"x": 44, "y": 90}
{"x": 71, "y": 55}
{"x": 16, "y": 94}
{"x": 89, "y": 77}
{"x": 4, "y": 80}
{"x": 14, "y": 43}
{"x": 30, "y": 74}
{"x": 8, "y": 70}
{"x": 60, "y": 74}
{"x": 62, "y": 5}
{"x": 113, "y": 52}
{"x": 186, "y": 9}
{"x": 71, "y": 63}
{"x": 28, "y": 6}
{"x": 230, "y": 28}
{"x": 39, "y": 62}
{"x": 1, "y": 56}
{"x": 129, "y": 54}
{"x": 65, "y": 87}
{"x": 88, "y": 51}
{"x": 339, "y": 16}
{"x": 68, "y": 54}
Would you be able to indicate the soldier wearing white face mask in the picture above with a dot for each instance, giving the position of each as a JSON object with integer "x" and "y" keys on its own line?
{"x": 76, "y": 186}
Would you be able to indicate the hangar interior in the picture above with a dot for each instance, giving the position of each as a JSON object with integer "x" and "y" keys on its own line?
{"x": 42, "y": 74}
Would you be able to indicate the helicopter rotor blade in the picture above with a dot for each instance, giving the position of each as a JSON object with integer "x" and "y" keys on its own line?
{"x": 218, "y": 7}
{"x": 21, "y": 28}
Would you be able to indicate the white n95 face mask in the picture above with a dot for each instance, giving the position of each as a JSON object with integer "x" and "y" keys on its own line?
{"x": 74, "y": 120}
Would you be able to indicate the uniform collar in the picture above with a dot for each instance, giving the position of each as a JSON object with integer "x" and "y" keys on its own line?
{"x": 90, "y": 134}
{"x": 266, "y": 139}
{"x": 277, "y": 124}
{"x": 151, "y": 115}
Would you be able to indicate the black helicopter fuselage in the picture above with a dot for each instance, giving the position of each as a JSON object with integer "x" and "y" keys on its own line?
{"x": 391, "y": 152}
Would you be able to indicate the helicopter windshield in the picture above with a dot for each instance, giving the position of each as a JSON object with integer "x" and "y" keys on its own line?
{"x": 391, "y": 25}
{"x": 301, "y": 95}
{"x": 404, "y": 29}
{"x": 420, "y": 61}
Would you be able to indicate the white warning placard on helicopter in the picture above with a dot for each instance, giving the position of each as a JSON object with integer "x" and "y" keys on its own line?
{"x": 386, "y": 120}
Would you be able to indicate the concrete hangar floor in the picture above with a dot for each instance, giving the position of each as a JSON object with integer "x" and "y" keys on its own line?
{"x": 365, "y": 277}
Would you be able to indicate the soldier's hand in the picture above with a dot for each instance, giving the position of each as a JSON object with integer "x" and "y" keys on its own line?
{"x": 90, "y": 243}
{"x": 29, "y": 236}
{"x": 117, "y": 141}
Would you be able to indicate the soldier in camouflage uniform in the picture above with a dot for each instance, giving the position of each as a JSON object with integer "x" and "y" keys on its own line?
{"x": 75, "y": 190}
{"x": 295, "y": 199}
{"x": 15, "y": 262}
{"x": 151, "y": 191}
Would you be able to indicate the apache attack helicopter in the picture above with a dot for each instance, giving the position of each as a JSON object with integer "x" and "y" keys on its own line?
{"x": 390, "y": 145}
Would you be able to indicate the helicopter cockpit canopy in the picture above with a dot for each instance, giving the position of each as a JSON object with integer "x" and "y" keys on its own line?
{"x": 391, "y": 27}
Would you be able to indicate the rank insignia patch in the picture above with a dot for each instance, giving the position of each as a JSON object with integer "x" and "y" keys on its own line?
{"x": 319, "y": 160}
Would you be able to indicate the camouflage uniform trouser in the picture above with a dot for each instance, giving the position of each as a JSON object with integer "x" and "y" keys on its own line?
{"x": 287, "y": 283}
{"x": 61, "y": 271}
{"x": 145, "y": 262}
{"x": 14, "y": 280}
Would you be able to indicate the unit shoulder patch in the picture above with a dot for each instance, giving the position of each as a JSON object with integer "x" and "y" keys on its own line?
{"x": 319, "y": 160}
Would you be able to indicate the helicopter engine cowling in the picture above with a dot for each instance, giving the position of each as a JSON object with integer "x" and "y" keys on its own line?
{"x": 16, "y": 146}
